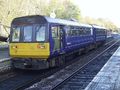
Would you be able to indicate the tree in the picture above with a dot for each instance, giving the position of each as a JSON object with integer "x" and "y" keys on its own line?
{"x": 64, "y": 9}
{"x": 101, "y": 22}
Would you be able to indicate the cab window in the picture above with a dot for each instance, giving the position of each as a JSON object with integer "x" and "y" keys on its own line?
{"x": 27, "y": 33}
{"x": 16, "y": 34}
{"x": 40, "y": 33}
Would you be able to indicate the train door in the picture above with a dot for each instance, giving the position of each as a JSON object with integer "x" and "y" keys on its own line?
{"x": 56, "y": 37}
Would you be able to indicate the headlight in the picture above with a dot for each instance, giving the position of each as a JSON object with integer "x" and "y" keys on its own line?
{"x": 14, "y": 46}
{"x": 42, "y": 46}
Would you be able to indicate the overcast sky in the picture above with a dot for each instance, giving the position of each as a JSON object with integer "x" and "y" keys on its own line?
{"x": 108, "y": 9}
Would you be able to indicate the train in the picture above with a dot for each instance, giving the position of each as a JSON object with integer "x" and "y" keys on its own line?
{"x": 41, "y": 42}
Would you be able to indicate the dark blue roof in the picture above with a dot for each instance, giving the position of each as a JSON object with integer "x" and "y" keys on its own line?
{"x": 65, "y": 22}
{"x": 61, "y": 21}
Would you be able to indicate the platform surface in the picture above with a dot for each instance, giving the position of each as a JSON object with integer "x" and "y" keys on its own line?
{"x": 109, "y": 76}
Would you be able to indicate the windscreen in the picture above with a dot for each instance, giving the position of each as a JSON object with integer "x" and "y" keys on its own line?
{"x": 28, "y": 33}
{"x": 16, "y": 34}
{"x": 40, "y": 33}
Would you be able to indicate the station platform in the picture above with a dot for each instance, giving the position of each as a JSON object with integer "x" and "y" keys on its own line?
{"x": 109, "y": 76}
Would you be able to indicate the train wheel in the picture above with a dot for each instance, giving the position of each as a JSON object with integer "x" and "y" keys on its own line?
{"x": 96, "y": 46}
{"x": 58, "y": 61}
{"x": 52, "y": 62}
{"x": 85, "y": 50}
{"x": 61, "y": 60}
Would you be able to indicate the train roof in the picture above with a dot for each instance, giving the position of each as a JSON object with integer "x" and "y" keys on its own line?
{"x": 85, "y": 25}
{"x": 99, "y": 27}
{"x": 65, "y": 22}
{"x": 61, "y": 21}
{"x": 45, "y": 19}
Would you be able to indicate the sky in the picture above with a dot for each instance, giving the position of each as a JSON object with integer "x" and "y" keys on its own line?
{"x": 108, "y": 9}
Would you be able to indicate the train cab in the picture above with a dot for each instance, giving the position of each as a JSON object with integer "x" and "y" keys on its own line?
{"x": 28, "y": 38}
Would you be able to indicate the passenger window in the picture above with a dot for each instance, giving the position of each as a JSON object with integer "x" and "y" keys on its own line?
{"x": 84, "y": 32}
{"x": 74, "y": 32}
{"x": 68, "y": 31}
{"x": 80, "y": 31}
{"x": 100, "y": 31}
{"x": 88, "y": 31}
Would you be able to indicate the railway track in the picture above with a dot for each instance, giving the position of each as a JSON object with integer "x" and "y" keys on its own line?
{"x": 83, "y": 76}
{"x": 68, "y": 77}
{"x": 22, "y": 79}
